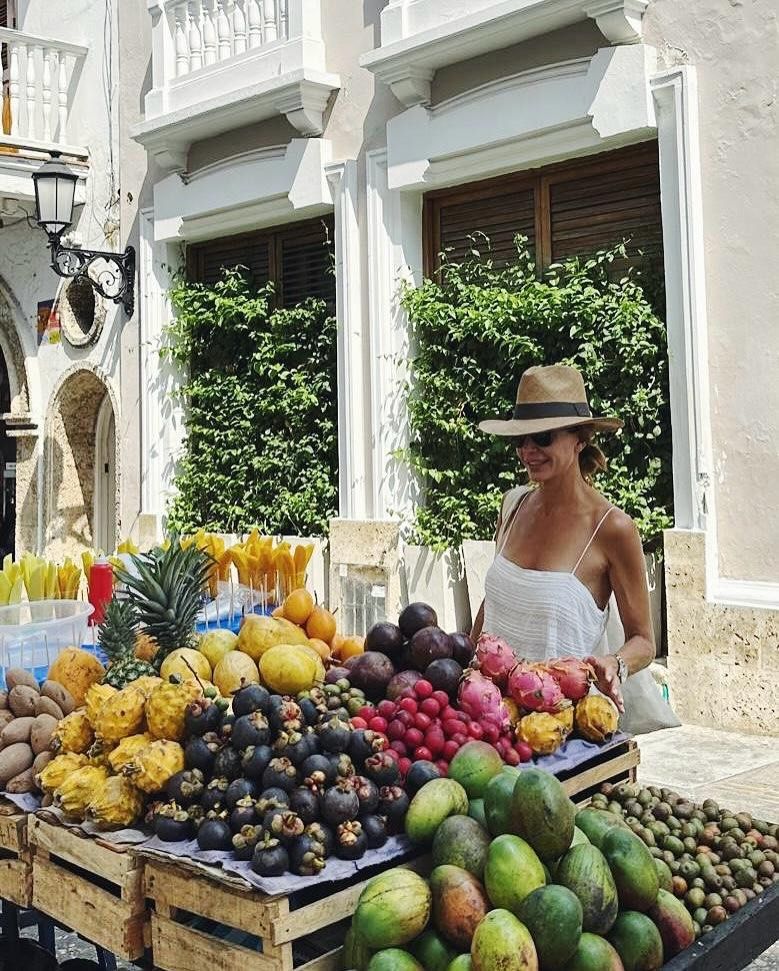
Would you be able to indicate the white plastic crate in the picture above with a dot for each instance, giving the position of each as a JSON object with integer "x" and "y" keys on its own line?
{"x": 33, "y": 633}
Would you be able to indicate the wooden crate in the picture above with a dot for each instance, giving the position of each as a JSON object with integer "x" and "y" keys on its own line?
{"x": 200, "y": 923}
{"x": 15, "y": 858}
{"x": 617, "y": 764}
{"x": 90, "y": 886}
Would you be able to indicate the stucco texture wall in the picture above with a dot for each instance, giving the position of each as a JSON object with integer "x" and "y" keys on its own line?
{"x": 734, "y": 46}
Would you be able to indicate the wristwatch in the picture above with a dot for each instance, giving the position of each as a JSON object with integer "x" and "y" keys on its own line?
{"x": 622, "y": 668}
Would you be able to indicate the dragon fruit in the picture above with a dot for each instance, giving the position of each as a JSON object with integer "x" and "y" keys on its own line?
{"x": 534, "y": 689}
{"x": 573, "y": 676}
{"x": 495, "y": 658}
{"x": 542, "y": 732}
{"x": 481, "y": 699}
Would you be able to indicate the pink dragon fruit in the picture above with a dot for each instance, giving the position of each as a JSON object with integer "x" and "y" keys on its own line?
{"x": 481, "y": 699}
{"x": 573, "y": 676}
{"x": 495, "y": 658}
{"x": 534, "y": 689}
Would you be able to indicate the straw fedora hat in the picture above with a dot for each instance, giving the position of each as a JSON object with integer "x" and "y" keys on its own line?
{"x": 549, "y": 398}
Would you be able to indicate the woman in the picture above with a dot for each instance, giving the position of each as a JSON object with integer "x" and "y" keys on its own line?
{"x": 562, "y": 548}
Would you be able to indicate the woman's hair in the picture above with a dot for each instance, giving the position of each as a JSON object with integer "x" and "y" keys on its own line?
{"x": 591, "y": 459}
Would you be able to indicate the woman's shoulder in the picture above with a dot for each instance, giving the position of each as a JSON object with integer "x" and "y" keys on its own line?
{"x": 618, "y": 527}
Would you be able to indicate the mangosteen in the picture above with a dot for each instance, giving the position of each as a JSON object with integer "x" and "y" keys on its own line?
{"x": 200, "y": 754}
{"x": 255, "y": 761}
{"x": 371, "y": 672}
{"x": 416, "y": 616}
{"x": 319, "y": 768}
{"x": 393, "y": 804}
{"x": 214, "y": 796}
{"x": 252, "y": 729}
{"x": 227, "y": 763}
{"x": 281, "y": 774}
{"x": 367, "y": 792}
{"x": 249, "y": 698}
{"x": 295, "y": 746}
{"x": 420, "y": 773}
{"x": 306, "y": 856}
{"x": 240, "y": 789}
{"x": 214, "y": 834}
{"x": 311, "y": 711}
{"x": 363, "y": 743}
{"x": 386, "y": 638}
{"x": 226, "y": 723}
{"x": 444, "y": 675}
{"x": 344, "y": 767}
{"x": 334, "y": 735}
{"x": 463, "y": 648}
{"x": 382, "y": 769}
{"x": 202, "y": 716}
{"x": 196, "y": 815}
{"x": 243, "y": 814}
{"x": 285, "y": 825}
{"x": 185, "y": 787}
{"x": 270, "y": 858}
{"x": 427, "y": 645}
{"x": 350, "y": 841}
{"x": 336, "y": 674}
{"x": 284, "y": 714}
{"x": 305, "y": 802}
{"x": 322, "y": 834}
{"x": 272, "y": 798}
{"x": 245, "y": 840}
{"x": 375, "y": 829}
{"x": 340, "y": 803}
{"x": 171, "y": 823}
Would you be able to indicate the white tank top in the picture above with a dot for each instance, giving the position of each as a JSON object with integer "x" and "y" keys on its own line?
{"x": 542, "y": 614}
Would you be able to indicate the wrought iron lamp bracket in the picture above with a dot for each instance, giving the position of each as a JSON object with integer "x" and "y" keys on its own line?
{"x": 112, "y": 275}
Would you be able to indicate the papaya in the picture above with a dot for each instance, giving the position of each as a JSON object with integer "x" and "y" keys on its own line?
{"x": 393, "y": 959}
{"x": 435, "y": 801}
{"x": 497, "y": 800}
{"x": 393, "y": 909}
{"x": 633, "y": 868}
{"x": 503, "y": 943}
{"x": 673, "y": 921}
{"x": 461, "y": 841}
{"x": 542, "y": 814}
{"x": 459, "y": 904}
{"x": 512, "y": 872}
{"x": 637, "y": 941}
{"x": 473, "y": 766}
{"x": 585, "y": 872}
{"x": 461, "y": 963}
{"x": 553, "y": 915}
{"x": 432, "y": 952}
{"x": 357, "y": 954}
{"x": 595, "y": 823}
{"x": 664, "y": 875}
{"x": 476, "y": 811}
{"x": 594, "y": 953}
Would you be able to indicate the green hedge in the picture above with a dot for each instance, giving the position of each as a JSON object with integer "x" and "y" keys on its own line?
{"x": 477, "y": 329}
{"x": 261, "y": 447}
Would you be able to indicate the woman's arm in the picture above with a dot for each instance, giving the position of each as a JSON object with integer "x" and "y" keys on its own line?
{"x": 627, "y": 575}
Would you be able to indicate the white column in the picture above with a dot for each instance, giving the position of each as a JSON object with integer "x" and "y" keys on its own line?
{"x": 353, "y": 484}
{"x": 394, "y": 233}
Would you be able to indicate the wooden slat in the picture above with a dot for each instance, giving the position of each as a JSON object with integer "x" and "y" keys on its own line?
{"x": 606, "y": 770}
{"x": 109, "y": 864}
{"x": 179, "y": 948}
{"x": 16, "y": 881}
{"x": 88, "y": 909}
{"x": 332, "y": 961}
{"x": 13, "y": 833}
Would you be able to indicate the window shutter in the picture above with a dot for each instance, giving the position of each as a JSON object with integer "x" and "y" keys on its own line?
{"x": 206, "y": 260}
{"x": 3, "y": 13}
{"x": 500, "y": 214}
{"x": 306, "y": 259}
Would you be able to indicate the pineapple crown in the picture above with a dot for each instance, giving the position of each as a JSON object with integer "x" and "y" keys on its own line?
{"x": 116, "y": 634}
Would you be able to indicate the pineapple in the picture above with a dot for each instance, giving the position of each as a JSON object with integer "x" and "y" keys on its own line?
{"x": 96, "y": 697}
{"x": 117, "y": 803}
{"x": 167, "y": 594}
{"x": 117, "y": 639}
{"x": 58, "y": 770}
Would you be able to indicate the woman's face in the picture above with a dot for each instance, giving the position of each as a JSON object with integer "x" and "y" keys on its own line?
{"x": 545, "y": 462}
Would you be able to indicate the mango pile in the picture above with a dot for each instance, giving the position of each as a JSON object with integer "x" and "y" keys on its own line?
{"x": 522, "y": 881}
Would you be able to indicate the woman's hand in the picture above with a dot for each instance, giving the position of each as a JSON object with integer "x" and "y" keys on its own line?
{"x": 607, "y": 675}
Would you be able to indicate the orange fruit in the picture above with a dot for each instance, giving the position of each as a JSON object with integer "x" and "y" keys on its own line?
{"x": 351, "y": 647}
{"x": 299, "y": 606}
{"x": 321, "y": 624}
{"x": 321, "y": 647}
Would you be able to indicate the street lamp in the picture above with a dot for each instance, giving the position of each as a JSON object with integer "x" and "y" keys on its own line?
{"x": 111, "y": 274}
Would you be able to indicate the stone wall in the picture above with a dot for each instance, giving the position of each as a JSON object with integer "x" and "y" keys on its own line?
{"x": 723, "y": 660}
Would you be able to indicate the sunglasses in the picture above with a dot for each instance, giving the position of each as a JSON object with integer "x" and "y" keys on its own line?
{"x": 541, "y": 439}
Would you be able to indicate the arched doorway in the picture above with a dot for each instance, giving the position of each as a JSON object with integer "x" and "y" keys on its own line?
{"x": 7, "y": 468}
{"x": 81, "y": 481}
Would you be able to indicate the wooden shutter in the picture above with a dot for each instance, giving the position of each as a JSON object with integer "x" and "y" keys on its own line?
{"x": 3, "y": 13}
{"x": 305, "y": 256}
{"x": 251, "y": 250}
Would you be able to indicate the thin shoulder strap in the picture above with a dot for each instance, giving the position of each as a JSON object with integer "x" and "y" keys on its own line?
{"x": 603, "y": 519}
{"x": 505, "y": 527}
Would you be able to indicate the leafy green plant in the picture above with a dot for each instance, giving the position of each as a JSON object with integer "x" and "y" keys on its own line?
{"x": 476, "y": 329}
{"x": 260, "y": 393}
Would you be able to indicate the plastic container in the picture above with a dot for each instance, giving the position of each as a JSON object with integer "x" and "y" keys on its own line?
{"x": 33, "y": 634}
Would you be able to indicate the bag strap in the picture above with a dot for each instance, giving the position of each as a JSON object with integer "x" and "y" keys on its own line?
{"x": 511, "y": 502}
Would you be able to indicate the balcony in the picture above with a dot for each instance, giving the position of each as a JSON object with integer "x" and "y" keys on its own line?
{"x": 418, "y": 37}
{"x": 40, "y": 80}
{"x": 223, "y": 64}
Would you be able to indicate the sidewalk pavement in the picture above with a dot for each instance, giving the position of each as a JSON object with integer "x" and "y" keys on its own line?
{"x": 739, "y": 771}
